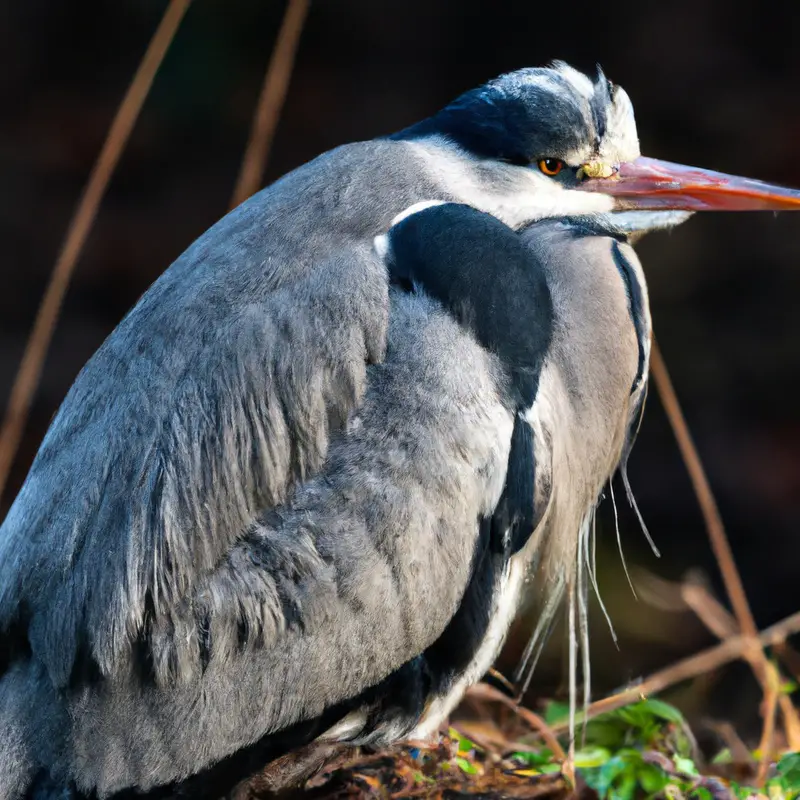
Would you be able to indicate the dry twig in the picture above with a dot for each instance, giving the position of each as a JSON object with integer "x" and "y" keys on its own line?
{"x": 722, "y": 624}
{"x": 740, "y": 753}
{"x": 709, "y": 610}
{"x": 270, "y": 102}
{"x": 719, "y": 541}
{"x": 771, "y": 695}
{"x": 483, "y": 691}
{"x": 30, "y": 368}
{"x": 790, "y": 658}
{"x": 705, "y": 661}
{"x": 705, "y": 497}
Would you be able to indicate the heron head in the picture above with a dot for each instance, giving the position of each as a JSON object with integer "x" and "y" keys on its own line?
{"x": 551, "y": 142}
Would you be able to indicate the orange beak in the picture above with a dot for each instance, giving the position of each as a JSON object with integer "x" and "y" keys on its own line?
{"x": 648, "y": 184}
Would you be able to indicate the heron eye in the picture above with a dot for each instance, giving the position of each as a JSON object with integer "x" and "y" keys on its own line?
{"x": 550, "y": 166}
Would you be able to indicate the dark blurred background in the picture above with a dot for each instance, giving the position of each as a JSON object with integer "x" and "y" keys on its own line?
{"x": 712, "y": 85}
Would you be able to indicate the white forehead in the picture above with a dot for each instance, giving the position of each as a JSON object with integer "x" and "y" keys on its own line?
{"x": 551, "y": 79}
{"x": 582, "y": 84}
{"x": 621, "y": 140}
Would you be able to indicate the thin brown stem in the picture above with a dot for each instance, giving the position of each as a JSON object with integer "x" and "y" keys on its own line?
{"x": 30, "y": 369}
{"x": 705, "y": 497}
{"x": 722, "y": 624}
{"x": 270, "y": 102}
{"x": 483, "y": 691}
{"x": 709, "y": 610}
{"x": 716, "y": 532}
{"x": 791, "y": 724}
{"x": 790, "y": 658}
{"x": 498, "y": 676}
{"x": 740, "y": 753}
{"x": 483, "y": 742}
{"x": 705, "y": 661}
{"x": 771, "y": 695}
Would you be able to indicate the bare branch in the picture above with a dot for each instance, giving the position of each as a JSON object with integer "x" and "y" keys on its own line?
{"x": 705, "y": 661}
{"x": 719, "y": 542}
{"x": 270, "y": 102}
{"x": 771, "y": 696}
{"x": 702, "y": 488}
{"x": 30, "y": 368}
{"x": 483, "y": 691}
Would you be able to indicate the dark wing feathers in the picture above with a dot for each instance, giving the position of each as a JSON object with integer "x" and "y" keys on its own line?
{"x": 167, "y": 448}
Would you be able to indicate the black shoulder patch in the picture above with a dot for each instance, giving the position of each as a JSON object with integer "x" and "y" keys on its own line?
{"x": 487, "y": 278}
{"x": 493, "y": 283}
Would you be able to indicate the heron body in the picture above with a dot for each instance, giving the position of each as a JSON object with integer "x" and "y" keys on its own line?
{"x": 298, "y": 492}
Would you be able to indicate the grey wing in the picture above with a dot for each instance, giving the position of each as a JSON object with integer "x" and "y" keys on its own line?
{"x": 360, "y": 573}
{"x": 211, "y": 400}
{"x": 390, "y": 524}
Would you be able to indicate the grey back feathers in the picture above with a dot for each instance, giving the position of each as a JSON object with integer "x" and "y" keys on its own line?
{"x": 214, "y": 395}
{"x": 212, "y": 401}
{"x": 263, "y": 503}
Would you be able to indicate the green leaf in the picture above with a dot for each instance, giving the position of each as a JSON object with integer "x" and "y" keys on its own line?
{"x": 465, "y": 745}
{"x": 615, "y": 768}
{"x": 556, "y": 712}
{"x": 466, "y": 766}
{"x": 652, "y": 779}
{"x": 626, "y": 776}
{"x": 609, "y": 733}
{"x": 543, "y": 756}
{"x": 672, "y": 792}
{"x": 723, "y": 757}
{"x": 591, "y": 757}
{"x": 647, "y": 715}
{"x": 626, "y": 787}
{"x": 686, "y": 766}
{"x": 548, "y": 768}
{"x": 658, "y": 708}
{"x": 789, "y": 769}
{"x": 635, "y": 715}
{"x": 595, "y": 780}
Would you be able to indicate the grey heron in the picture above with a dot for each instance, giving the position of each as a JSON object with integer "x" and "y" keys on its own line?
{"x": 287, "y": 500}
